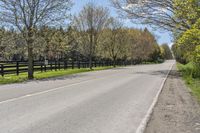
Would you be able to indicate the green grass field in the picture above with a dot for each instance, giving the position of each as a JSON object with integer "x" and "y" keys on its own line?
{"x": 192, "y": 83}
{"x": 13, "y": 78}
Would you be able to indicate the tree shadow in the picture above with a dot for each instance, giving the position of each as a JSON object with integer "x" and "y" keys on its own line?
{"x": 163, "y": 73}
{"x": 59, "y": 78}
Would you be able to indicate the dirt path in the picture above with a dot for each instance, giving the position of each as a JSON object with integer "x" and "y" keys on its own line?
{"x": 176, "y": 111}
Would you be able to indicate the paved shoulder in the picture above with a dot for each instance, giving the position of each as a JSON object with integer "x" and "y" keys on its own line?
{"x": 176, "y": 111}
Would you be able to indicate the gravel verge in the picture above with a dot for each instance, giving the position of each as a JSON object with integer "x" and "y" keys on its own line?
{"x": 176, "y": 111}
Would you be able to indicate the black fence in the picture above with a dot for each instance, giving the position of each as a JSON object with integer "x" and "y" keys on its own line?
{"x": 17, "y": 67}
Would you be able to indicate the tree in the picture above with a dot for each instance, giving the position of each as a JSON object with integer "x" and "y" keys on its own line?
{"x": 178, "y": 54}
{"x": 167, "y": 54}
{"x": 189, "y": 40}
{"x": 156, "y": 56}
{"x": 165, "y": 14}
{"x": 115, "y": 40}
{"x": 88, "y": 24}
{"x": 47, "y": 34}
{"x": 27, "y": 15}
{"x": 143, "y": 44}
{"x": 187, "y": 12}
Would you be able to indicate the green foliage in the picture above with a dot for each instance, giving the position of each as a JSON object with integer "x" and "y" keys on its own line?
{"x": 187, "y": 46}
{"x": 197, "y": 24}
{"x": 193, "y": 83}
{"x": 188, "y": 42}
{"x": 179, "y": 55}
{"x": 143, "y": 45}
{"x": 166, "y": 52}
{"x": 190, "y": 70}
{"x": 187, "y": 70}
{"x": 187, "y": 11}
{"x": 120, "y": 43}
{"x": 196, "y": 60}
{"x": 197, "y": 54}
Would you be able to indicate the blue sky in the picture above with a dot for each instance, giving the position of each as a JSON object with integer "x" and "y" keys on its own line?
{"x": 162, "y": 37}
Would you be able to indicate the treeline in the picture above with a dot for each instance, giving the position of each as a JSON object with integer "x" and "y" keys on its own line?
{"x": 109, "y": 39}
{"x": 187, "y": 42}
{"x": 58, "y": 44}
{"x": 91, "y": 35}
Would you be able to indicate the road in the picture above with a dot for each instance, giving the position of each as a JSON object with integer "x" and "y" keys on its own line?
{"x": 109, "y": 101}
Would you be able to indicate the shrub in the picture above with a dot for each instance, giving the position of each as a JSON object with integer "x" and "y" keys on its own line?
{"x": 191, "y": 70}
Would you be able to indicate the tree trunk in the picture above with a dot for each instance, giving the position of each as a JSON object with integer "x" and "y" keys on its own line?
{"x": 91, "y": 49}
{"x": 30, "y": 63}
{"x": 90, "y": 62}
{"x": 114, "y": 62}
{"x": 30, "y": 55}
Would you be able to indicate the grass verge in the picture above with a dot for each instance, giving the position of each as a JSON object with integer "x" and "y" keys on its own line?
{"x": 11, "y": 78}
{"x": 192, "y": 83}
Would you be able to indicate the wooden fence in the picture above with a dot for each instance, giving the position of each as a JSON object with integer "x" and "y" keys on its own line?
{"x": 17, "y": 67}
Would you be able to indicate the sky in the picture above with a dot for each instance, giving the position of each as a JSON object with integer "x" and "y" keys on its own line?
{"x": 162, "y": 37}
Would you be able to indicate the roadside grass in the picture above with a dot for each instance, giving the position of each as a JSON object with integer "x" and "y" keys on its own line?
{"x": 13, "y": 78}
{"x": 153, "y": 62}
{"x": 192, "y": 83}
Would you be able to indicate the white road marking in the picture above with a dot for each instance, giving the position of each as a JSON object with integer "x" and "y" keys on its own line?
{"x": 141, "y": 128}
{"x": 51, "y": 90}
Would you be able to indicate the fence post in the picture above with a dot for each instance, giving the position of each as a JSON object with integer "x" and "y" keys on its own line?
{"x": 55, "y": 65}
{"x": 51, "y": 66}
{"x": 95, "y": 63}
{"x": 66, "y": 64}
{"x": 83, "y": 64}
{"x": 45, "y": 67}
{"x": 41, "y": 67}
{"x": 17, "y": 68}
{"x": 2, "y": 70}
{"x": 59, "y": 65}
{"x": 72, "y": 64}
{"x": 79, "y": 65}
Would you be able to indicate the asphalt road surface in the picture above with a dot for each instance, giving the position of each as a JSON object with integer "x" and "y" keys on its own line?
{"x": 109, "y": 101}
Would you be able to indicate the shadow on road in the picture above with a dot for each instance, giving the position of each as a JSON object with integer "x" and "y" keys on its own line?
{"x": 161, "y": 73}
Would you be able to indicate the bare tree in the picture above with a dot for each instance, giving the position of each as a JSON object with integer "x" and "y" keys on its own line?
{"x": 89, "y": 23}
{"x": 157, "y": 13}
{"x": 26, "y": 15}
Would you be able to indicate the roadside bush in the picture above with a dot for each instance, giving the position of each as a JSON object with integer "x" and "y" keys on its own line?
{"x": 190, "y": 70}
{"x": 191, "y": 77}
{"x": 187, "y": 70}
{"x": 197, "y": 61}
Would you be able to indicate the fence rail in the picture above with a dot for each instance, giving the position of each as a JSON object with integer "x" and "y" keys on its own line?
{"x": 17, "y": 67}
